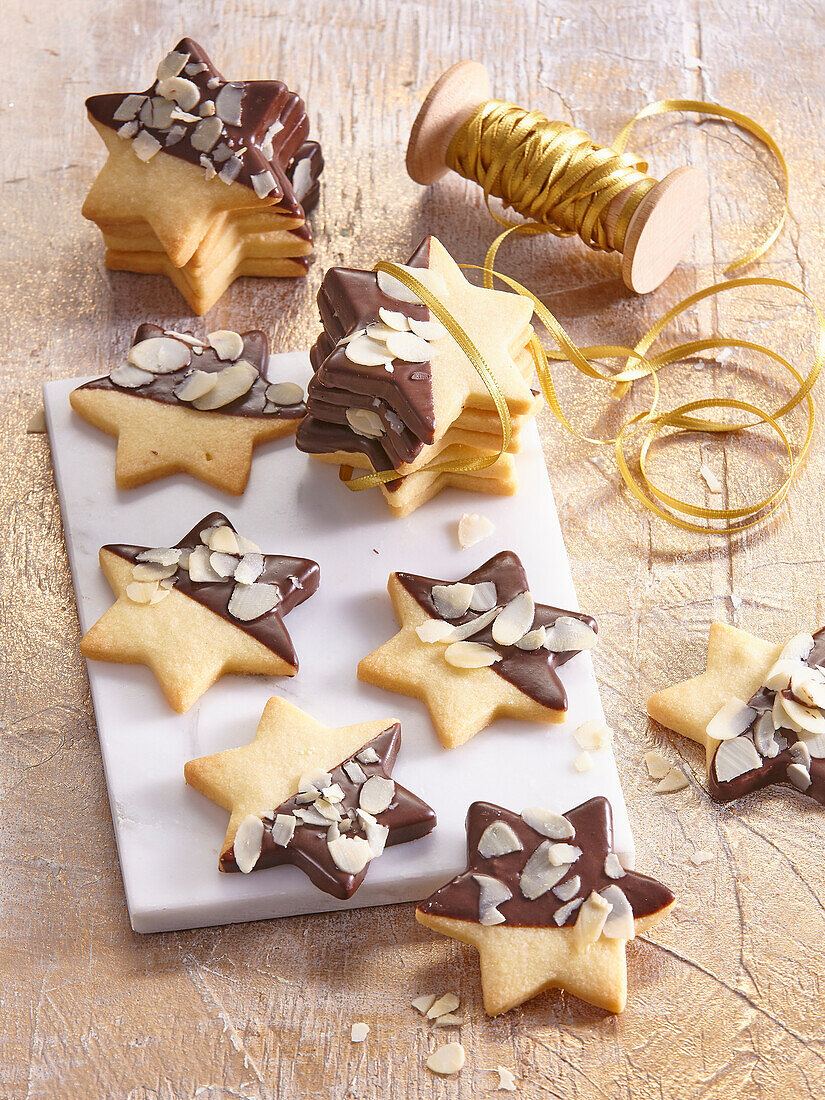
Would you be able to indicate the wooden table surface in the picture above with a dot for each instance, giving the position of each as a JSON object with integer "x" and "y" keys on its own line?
{"x": 726, "y": 997}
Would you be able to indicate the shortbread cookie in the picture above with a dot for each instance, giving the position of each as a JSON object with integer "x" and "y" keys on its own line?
{"x": 318, "y": 797}
{"x": 547, "y": 905}
{"x": 184, "y": 405}
{"x": 759, "y": 710}
{"x": 477, "y": 649}
{"x": 196, "y": 158}
{"x": 210, "y": 605}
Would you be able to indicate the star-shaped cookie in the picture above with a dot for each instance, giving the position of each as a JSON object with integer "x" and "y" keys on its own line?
{"x": 194, "y": 146}
{"x": 759, "y": 710}
{"x": 319, "y": 797}
{"x": 547, "y": 904}
{"x": 477, "y": 649}
{"x": 210, "y": 605}
{"x": 191, "y": 406}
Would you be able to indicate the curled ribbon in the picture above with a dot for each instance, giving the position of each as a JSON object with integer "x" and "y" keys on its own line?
{"x": 641, "y": 365}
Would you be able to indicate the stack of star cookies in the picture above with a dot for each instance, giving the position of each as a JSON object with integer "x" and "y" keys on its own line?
{"x": 393, "y": 391}
{"x": 206, "y": 179}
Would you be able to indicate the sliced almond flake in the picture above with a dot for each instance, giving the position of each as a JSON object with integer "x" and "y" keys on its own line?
{"x": 620, "y": 924}
{"x": 492, "y": 892}
{"x": 174, "y": 135}
{"x": 568, "y": 889}
{"x": 251, "y": 601}
{"x": 128, "y": 129}
{"x": 195, "y": 68}
{"x": 228, "y": 103}
{"x": 593, "y": 735}
{"x": 449, "y": 1019}
{"x": 355, "y": 773}
{"x": 408, "y": 347}
{"x": 285, "y": 393}
{"x": 367, "y": 755}
{"x": 657, "y": 766}
{"x": 350, "y": 854}
{"x": 283, "y": 829}
{"x": 780, "y": 717}
{"x": 247, "y": 843}
{"x": 702, "y": 856}
{"x": 539, "y": 875}
{"x": 378, "y": 331}
{"x": 675, "y": 780}
{"x": 814, "y": 743}
{"x": 562, "y": 913}
{"x": 448, "y": 1059}
{"x": 799, "y": 776}
{"x": 472, "y": 528}
{"x": 159, "y": 355}
{"x": 152, "y": 571}
{"x": 207, "y": 134}
{"x": 141, "y": 591}
{"x": 208, "y": 166}
{"x": 249, "y": 568}
{"x": 358, "y": 1032}
{"x": 613, "y": 867}
{"x": 223, "y": 539}
{"x": 344, "y": 826}
{"x": 172, "y": 64}
{"x": 548, "y": 823}
{"x": 779, "y": 676}
{"x": 591, "y": 921}
{"x": 326, "y": 809}
{"x": 226, "y": 343}
{"x": 128, "y": 108}
{"x": 434, "y": 630}
{"x": 514, "y": 620}
{"x": 394, "y": 319}
{"x": 129, "y": 377}
{"x": 711, "y": 480}
{"x": 195, "y": 385}
{"x": 484, "y": 596}
{"x": 223, "y": 564}
{"x": 506, "y": 1079}
{"x": 800, "y": 754}
{"x": 428, "y": 330}
{"x": 563, "y": 854}
{"x": 533, "y": 640}
{"x": 184, "y": 116}
{"x": 423, "y": 1003}
{"x": 583, "y": 762}
{"x": 498, "y": 839}
{"x": 377, "y": 794}
{"x": 808, "y": 688}
{"x": 314, "y": 780}
{"x": 366, "y": 352}
{"x": 807, "y": 719}
{"x": 161, "y": 555}
{"x": 798, "y": 648}
{"x": 183, "y": 560}
{"x": 247, "y": 546}
{"x": 393, "y": 288}
{"x": 184, "y": 92}
{"x": 470, "y": 655}
{"x": 200, "y": 567}
{"x": 231, "y": 170}
{"x": 263, "y": 183}
{"x": 452, "y": 600}
{"x": 232, "y": 382}
{"x": 734, "y": 758}
{"x": 763, "y": 736}
{"x": 310, "y": 816}
{"x": 447, "y": 1002}
{"x": 160, "y": 594}
{"x": 473, "y": 626}
{"x": 732, "y": 718}
{"x": 376, "y": 837}
{"x": 567, "y": 635}
{"x": 365, "y": 422}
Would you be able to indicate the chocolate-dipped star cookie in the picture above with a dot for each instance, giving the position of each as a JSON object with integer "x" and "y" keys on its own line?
{"x": 211, "y": 604}
{"x": 180, "y": 404}
{"x": 759, "y": 710}
{"x": 547, "y": 904}
{"x": 478, "y": 649}
{"x": 318, "y": 797}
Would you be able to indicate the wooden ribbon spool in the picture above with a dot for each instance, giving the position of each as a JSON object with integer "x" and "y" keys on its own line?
{"x": 659, "y": 231}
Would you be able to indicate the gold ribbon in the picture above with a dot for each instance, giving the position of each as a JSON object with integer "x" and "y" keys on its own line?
{"x": 583, "y": 210}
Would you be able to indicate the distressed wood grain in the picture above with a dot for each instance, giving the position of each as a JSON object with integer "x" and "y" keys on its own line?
{"x": 726, "y": 997}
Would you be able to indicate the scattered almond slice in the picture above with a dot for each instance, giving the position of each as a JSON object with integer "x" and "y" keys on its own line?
{"x": 514, "y": 620}
{"x": 37, "y": 423}
{"x": 583, "y": 762}
{"x": 232, "y": 382}
{"x": 711, "y": 480}
{"x": 732, "y": 719}
{"x": 447, "y": 1002}
{"x": 506, "y": 1079}
{"x": 434, "y": 630}
{"x": 359, "y": 1032}
{"x": 424, "y": 1003}
{"x": 223, "y": 539}
{"x": 247, "y": 843}
{"x": 470, "y": 655}
{"x": 196, "y": 385}
{"x": 657, "y": 766}
{"x": 449, "y": 1019}
{"x": 129, "y": 377}
{"x": 365, "y": 422}
{"x": 591, "y": 921}
{"x": 548, "y": 823}
{"x": 141, "y": 591}
{"x": 159, "y": 355}
{"x": 704, "y": 855}
{"x": 675, "y": 780}
{"x": 226, "y": 343}
{"x": 568, "y": 634}
{"x": 452, "y": 600}
{"x": 285, "y": 393}
{"x": 377, "y": 794}
{"x": 447, "y": 1060}
{"x": 250, "y": 601}
{"x": 472, "y": 528}
{"x": 593, "y": 735}
{"x": 152, "y": 571}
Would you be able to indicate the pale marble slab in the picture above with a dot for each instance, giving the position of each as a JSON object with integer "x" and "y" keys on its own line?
{"x": 168, "y": 835}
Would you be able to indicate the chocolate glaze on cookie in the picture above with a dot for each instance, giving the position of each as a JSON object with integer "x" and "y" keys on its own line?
{"x": 533, "y": 672}
{"x": 593, "y": 825}
{"x": 407, "y": 818}
{"x": 297, "y": 579}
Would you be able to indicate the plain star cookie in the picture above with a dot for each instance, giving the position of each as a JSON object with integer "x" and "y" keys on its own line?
{"x": 759, "y": 710}
{"x": 179, "y": 404}
{"x": 477, "y": 649}
{"x": 318, "y": 797}
{"x": 205, "y": 178}
{"x": 547, "y": 904}
{"x": 210, "y": 605}
{"x": 393, "y": 391}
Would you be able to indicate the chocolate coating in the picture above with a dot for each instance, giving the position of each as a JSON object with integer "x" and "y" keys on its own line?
{"x": 297, "y": 579}
{"x": 531, "y": 671}
{"x": 407, "y": 818}
{"x": 593, "y": 822}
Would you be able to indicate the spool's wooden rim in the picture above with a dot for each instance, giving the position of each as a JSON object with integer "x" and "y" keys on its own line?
{"x": 450, "y": 101}
{"x": 662, "y": 228}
